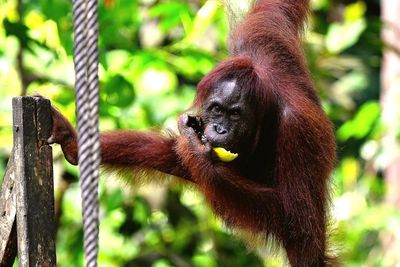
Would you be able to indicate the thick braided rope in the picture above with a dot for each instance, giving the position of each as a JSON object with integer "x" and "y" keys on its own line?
{"x": 87, "y": 93}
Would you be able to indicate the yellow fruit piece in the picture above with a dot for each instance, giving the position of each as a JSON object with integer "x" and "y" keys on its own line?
{"x": 225, "y": 155}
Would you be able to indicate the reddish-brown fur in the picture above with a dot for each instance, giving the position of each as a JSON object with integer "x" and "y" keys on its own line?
{"x": 282, "y": 189}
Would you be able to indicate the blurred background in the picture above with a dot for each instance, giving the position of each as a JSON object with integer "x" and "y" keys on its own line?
{"x": 153, "y": 53}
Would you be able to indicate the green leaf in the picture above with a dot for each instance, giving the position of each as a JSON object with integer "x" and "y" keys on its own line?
{"x": 155, "y": 81}
{"x": 362, "y": 123}
{"x": 204, "y": 260}
{"x": 319, "y": 4}
{"x": 193, "y": 64}
{"x": 171, "y": 14}
{"x": 355, "y": 11}
{"x": 161, "y": 263}
{"x": 201, "y": 23}
{"x": 118, "y": 92}
{"x": 343, "y": 36}
{"x": 116, "y": 59}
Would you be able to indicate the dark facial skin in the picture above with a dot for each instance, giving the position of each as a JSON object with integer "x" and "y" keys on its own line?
{"x": 228, "y": 117}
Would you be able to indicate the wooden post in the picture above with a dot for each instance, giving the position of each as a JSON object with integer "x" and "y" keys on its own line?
{"x": 8, "y": 210}
{"x": 34, "y": 182}
{"x": 27, "y": 194}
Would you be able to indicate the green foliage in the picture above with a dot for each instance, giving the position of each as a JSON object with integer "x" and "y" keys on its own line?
{"x": 361, "y": 124}
{"x": 170, "y": 14}
{"x": 152, "y": 55}
{"x": 341, "y": 36}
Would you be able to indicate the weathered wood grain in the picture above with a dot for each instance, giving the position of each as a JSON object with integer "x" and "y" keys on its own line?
{"x": 8, "y": 234}
{"x": 34, "y": 182}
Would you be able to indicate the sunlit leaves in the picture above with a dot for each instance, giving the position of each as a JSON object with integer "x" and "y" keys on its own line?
{"x": 319, "y": 4}
{"x": 45, "y": 31}
{"x": 193, "y": 64}
{"x": 170, "y": 13}
{"x": 204, "y": 260}
{"x": 202, "y": 21}
{"x": 354, "y": 11}
{"x": 162, "y": 263}
{"x": 362, "y": 123}
{"x": 351, "y": 170}
{"x": 153, "y": 81}
{"x": 343, "y": 35}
